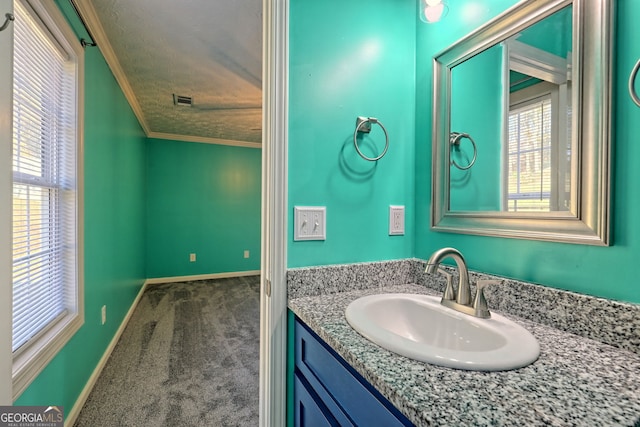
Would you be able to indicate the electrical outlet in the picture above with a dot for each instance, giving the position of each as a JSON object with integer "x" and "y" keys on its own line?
{"x": 104, "y": 314}
{"x": 246, "y": 254}
{"x": 309, "y": 223}
{"x": 192, "y": 257}
{"x": 396, "y": 220}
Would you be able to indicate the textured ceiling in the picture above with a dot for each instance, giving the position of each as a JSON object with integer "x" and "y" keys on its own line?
{"x": 210, "y": 50}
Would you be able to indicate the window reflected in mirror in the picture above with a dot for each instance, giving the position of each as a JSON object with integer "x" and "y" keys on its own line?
{"x": 522, "y": 125}
{"x": 514, "y": 99}
{"x": 539, "y": 149}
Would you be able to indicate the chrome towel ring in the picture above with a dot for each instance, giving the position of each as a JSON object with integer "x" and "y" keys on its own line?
{"x": 363, "y": 124}
{"x": 632, "y": 90}
{"x": 454, "y": 139}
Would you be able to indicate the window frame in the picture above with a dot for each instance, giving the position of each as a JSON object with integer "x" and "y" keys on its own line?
{"x": 544, "y": 98}
{"x": 559, "y": 199}
{"x": 29, "y": 362}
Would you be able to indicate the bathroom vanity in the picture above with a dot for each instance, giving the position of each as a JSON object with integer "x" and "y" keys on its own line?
{"x": 575, "y": 381}
{"x": 328, "y": 391}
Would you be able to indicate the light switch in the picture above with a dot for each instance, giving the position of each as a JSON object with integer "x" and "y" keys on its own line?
{"x": 309, "y": 223}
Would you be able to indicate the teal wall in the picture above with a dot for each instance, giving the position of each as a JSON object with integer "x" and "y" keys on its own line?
{"x": 476, "y": 106}
{"x": 601, "y": 271}
{"x": 332, "y": 81}
{"x": 202, "y": 199}
{"x": 114, "y": 216}
{"x": 553, "y": 34}
{"x": 348, "y": 59}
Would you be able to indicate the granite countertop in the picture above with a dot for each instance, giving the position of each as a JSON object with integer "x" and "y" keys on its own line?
{"x": 576, "y": 381}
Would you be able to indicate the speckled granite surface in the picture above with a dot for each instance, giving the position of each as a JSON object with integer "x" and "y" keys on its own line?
{"x": 339, "y": 278}
{"x": 577, "y": 381}
{"x": 603, "y": 320}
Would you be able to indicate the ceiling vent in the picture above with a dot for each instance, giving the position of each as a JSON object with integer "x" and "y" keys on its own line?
{"x": 183, "y": 101}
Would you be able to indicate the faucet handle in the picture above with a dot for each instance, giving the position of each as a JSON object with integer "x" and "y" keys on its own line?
{"x": 449, "y": 292}
{"x": 479, "y": 302}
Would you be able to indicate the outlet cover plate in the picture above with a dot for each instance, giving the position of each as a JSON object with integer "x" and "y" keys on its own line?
{"x": 396, "y": 220}
{"x": 310, "y": 223}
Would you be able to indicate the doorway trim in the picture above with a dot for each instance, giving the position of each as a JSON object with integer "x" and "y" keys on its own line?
{"x": 273, "y": 292}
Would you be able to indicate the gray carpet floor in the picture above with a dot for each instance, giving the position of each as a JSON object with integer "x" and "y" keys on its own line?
{"x": 188, "y": 357}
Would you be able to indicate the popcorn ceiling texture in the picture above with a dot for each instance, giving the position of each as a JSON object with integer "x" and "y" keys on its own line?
{"x": 575, "y": 381}
{"x": 210, "y": 51}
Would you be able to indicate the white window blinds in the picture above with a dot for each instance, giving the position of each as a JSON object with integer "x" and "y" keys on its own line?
{"x": 529, "y": 185}
{"x": 44, "y": 180}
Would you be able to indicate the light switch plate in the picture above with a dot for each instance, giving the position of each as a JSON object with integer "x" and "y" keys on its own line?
{"x": 309, "y": 223}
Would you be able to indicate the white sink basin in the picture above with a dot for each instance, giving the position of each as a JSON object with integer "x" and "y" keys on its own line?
{"x": 419, "y": 327}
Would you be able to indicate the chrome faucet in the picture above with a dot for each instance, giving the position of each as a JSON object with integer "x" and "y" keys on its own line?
{"x": 460, "y": 299}
{"x": 462, "y": 295}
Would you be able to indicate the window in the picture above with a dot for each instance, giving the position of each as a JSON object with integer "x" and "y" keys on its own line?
{"x": 529, "y": 184}
{"x": 47, "y": 208}
{"x": 538, "y": 166}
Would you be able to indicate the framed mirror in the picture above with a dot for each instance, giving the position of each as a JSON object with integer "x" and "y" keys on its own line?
{"x": 522, "y": 125}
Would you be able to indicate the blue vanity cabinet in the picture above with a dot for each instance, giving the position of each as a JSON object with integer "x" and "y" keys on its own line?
{"x": 329, "y": 392}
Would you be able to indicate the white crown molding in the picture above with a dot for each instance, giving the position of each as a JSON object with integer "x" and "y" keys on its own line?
{"x": 93, "y": 22}
{"x": 90, "y": 17}
{"x": 203, "y": 140}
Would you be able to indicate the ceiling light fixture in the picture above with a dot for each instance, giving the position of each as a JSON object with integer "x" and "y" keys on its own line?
{"x": 183, "y": 101}
{"x": 432, "y": 10}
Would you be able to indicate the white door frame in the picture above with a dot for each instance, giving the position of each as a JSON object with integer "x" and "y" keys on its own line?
{"x": 6, "y": 191}
{"x": 273, "y": 294}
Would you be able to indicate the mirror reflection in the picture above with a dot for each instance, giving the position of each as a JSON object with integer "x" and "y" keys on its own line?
{"x": 522, "y": 125}
{"x": 514, "y": 101}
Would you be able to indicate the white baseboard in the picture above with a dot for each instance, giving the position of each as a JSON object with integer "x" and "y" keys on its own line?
{"x": 159, "y": 280}
{"x": 84, "y": 395}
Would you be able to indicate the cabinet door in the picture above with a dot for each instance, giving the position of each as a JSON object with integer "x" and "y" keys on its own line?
{"x": 344, "y": 393}
{"x": 309, "y": 410}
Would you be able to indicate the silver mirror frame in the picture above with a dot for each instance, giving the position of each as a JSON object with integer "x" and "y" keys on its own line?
{"x": 588, "y": 222}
